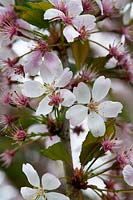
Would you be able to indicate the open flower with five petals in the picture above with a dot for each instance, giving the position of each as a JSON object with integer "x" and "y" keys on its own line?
{"x": 41, "y": 187}
{"x": 76, "y": 25}
{"x": 54, "y": 79}
{"x": 95, "y": 110}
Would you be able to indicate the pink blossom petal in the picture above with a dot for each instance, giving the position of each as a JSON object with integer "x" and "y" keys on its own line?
{"x": 74, "y": 7}
{"x": 110, "y": 109}
{"x": 53, "y": 14}
{"x": 52, "y": 67}
{"x": 70, "y": 33}
{"x": 82, "y": 93}
{"x": 99, "y": 3}
{"x": 7, "y": 2}
{"x": 128, "y": 174}
{"x": 96, "y": 124}
{"x": 76, "y": 114}
{"x": 101, "y": 88}
{"x": 56, "y": 196}
{"x": 68, "y": 96}
{"x": 57, "y": 3}
{"x": 87, "y": 21}
{"x": 33, "y": 89}
{"x": 50, "y": 182}
{"x": 44, "y": 108}
{"x": 33, "y": 64}
{"x": 24, "y": 25}
{"x": 28, "y": 193}
{"x": 64, "y": 78}
{"x": 31, "y": 175}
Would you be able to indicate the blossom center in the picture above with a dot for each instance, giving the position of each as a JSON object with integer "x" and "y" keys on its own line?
{"x": 83, "y": 33}
{"x": 67, "y": 20}
{"x": 55, "y": 99}
{"x": 93, "y": 106}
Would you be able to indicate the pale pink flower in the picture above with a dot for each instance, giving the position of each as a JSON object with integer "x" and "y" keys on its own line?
{"x": 76, "y": 25}
{"x": 124, "y": 157}
{"x": 111, "y": 145}
{"x": 19, "y": 135}
{"x": 7, "y": 156}
{"x": 41, "y": 188}
{"x": 94, "y": 109}
{"x": 11, "y": 69}
{"x": 19, "y": 99}
{"x": 11, "y": 26}
{"x": 55, "y": 78}
{"x": 42, "y": 58}
{"x": 109, "y": 9}
{"x": 7, "y": 120}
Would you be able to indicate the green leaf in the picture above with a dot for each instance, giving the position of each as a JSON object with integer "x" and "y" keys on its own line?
{"x": 22, "y": 2}
{"x": 98, "y": 63}
{"x": 35, "y": 17}
{"x": 80, "y": 52}
{"x": 110, "y": 129}
{"x": 57, "y": 152}
{"x": 90, "y": 148}
{"x": 34, "y": 13}
{"x": 41, "y": 5}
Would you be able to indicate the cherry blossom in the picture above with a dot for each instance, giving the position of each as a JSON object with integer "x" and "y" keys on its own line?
{"x": 65, "y": 10}
{"x": 128, "y": 174}
{"x": 55, "y": 79}
{"x": 42, "y": 187}
{"x": 97, "y": 110}
{"x": 7, "y": 156}
{"x": 41, "y": 57}
{"x": 10, "y": 26}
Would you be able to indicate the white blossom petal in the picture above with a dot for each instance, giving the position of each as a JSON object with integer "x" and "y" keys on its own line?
{"x": 50, "y": 182}
{"x": 127, "y": 16}
{"x": 119, "y": 4}
{"x": 68, "y": 97}
{"x": 82, "y": 93}
{"x": 52, "y": 67}
{"x": 76, "y": 114}
{"x": 56, "y": 196}
{"x": 44, "y": 108}
{"x": 31, "y": 175}
{"x": 74, "y": 8}
{"x": 41, "y": 198}
{"x": 128, "y": 174}
{"x": 33, "y": 64}
{"x": 87, "y": 21}
{"x": 28, "y": 193}
{"x": 24, "y": 25}
{"x": 101, "y": 88}
{"x": 53, "y": 13}
{"x": 7, "y": 2}
{"x": 109, "y": 109}
{"x": 64, "y": 78}
{"x": 96, "y": 124}
{"x": 70, "y": 33}
{"x": 37, "y": 128}
{"x": 33, "y": 89}
{"x": 99, "y": 3}
{"x": 57, "y": 3}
